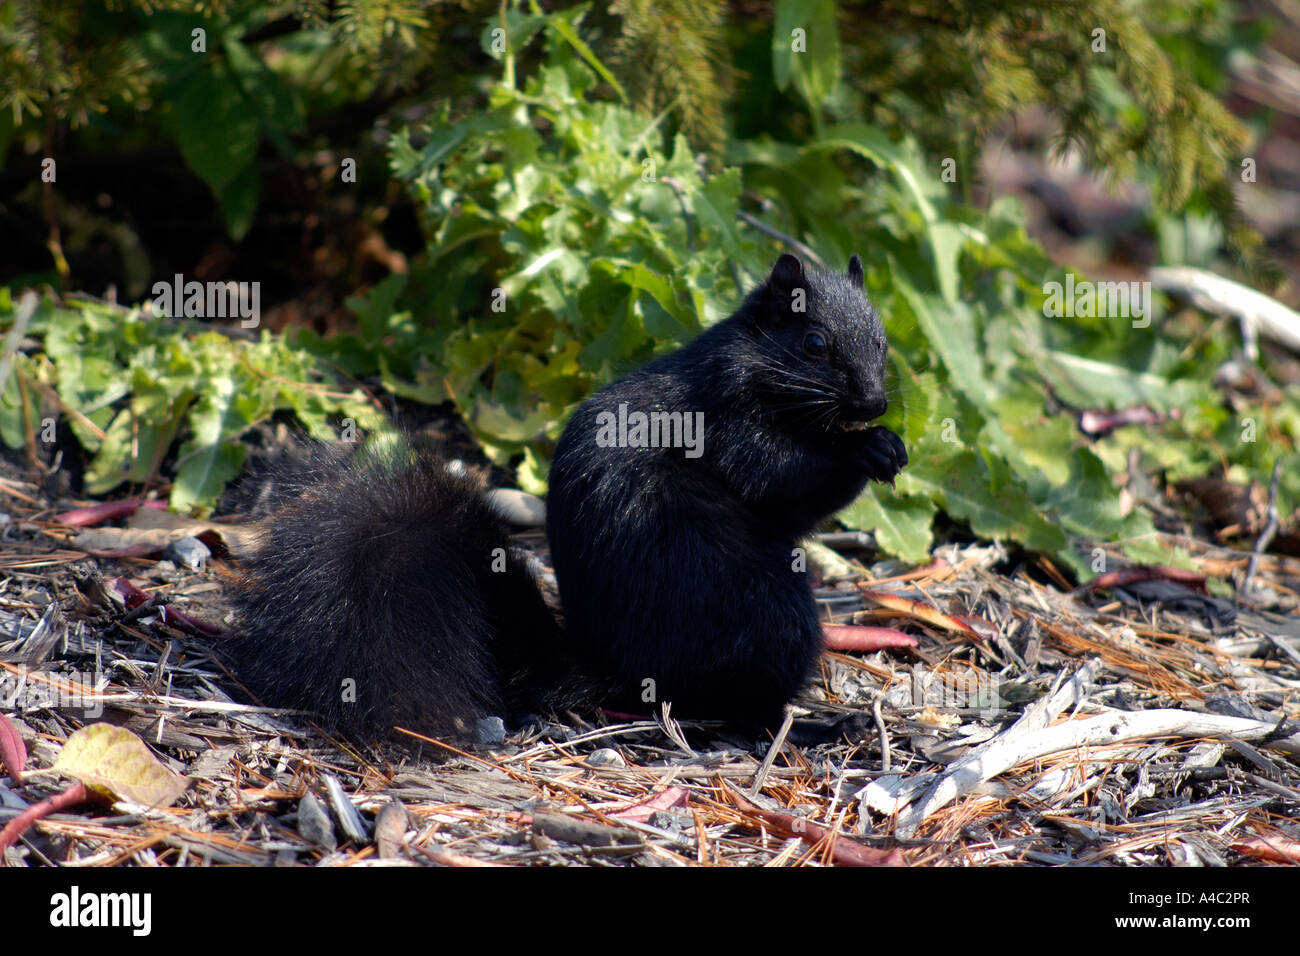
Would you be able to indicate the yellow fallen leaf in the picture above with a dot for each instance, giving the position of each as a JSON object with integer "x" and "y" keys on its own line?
{"x": 116, "y": 764}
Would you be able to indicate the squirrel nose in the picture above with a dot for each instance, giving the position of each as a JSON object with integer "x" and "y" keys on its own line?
{"x": 869, "y": 410}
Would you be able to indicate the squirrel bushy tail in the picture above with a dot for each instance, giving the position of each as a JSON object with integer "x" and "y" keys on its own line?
{"x": 384, "y": 593}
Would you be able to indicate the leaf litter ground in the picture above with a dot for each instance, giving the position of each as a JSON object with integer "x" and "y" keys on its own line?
{"x": 1148, "y": 724}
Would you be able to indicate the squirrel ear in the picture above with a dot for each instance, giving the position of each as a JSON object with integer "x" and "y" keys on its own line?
{"x": 855, "y": 270}
{"x": 787, "y": 274}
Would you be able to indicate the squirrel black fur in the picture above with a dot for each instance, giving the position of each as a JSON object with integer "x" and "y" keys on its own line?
{"x": 385, "y": 592}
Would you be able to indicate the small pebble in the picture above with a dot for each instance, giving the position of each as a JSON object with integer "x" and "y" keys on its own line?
{"x": 673, "y": 821}
{"x": 606, "y": 757}
{"x": 188, "y": 552}
{"x": 490, "y": 730}
{"x": 519, "y": 508}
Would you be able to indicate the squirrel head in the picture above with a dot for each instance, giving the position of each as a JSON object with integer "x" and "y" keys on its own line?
{"x": 823, "y": 344}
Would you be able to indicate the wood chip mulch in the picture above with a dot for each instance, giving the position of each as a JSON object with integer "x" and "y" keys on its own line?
{"x": 1149, "y": 723}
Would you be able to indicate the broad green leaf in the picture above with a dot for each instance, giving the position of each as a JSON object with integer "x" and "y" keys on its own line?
{"x": 13, "y": 422}
{"x": 375, "y": 309}
{"x": 564, "y": 22}
{"x": 136, "y": 440}
{"x": 1031, "y": 438}
{"x": 211, "y": 458}
{"x": 216, "y": 128}
{"x": 238, "y": 200}
{"x": 278, "y": 106}
{"x": 519, "y": 29}
{"x": 1087, "y": 502}
{"x": 900, "y": 523}
{"x": 496, "y": 421}
{"x": 984, "y": 493}
{"x": 205, "y": 473}
{"x": 944, "y": 239}
{"x": 790, "y": 15}
{"x": 1092, "y": 383}
{"x": 716, "y": 206}
{"x": 951, "y": 334}
{"x": 817, "y": 70}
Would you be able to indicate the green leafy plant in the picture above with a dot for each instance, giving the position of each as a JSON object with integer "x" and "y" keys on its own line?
{"x": 541, "y": 201}
{"x": 140, "y": 390}
{"x": 573, "y": 232}
{"x": 565, "y": 245}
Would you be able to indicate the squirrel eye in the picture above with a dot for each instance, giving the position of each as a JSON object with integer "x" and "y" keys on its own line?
{"x": 814, "y": 343}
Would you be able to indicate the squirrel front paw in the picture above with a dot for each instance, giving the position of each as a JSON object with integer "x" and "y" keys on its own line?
{"x": 880, "y": 454}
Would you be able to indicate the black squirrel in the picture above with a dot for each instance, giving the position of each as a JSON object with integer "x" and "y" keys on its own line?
{"x": 385, "y": 592}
